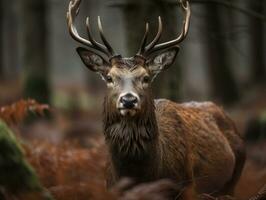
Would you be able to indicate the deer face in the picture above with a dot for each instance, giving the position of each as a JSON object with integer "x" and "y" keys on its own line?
{"x": 128, "y": 79}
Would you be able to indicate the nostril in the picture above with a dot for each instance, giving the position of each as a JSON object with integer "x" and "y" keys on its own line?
{"x": 123, "y": 100}
{"x": 134, "y": 100}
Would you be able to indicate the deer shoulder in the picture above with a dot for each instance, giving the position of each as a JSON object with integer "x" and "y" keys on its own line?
{"x": 210, "y": 134}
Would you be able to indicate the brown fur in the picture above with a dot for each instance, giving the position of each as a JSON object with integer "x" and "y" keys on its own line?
{"x": 153, "y": 145}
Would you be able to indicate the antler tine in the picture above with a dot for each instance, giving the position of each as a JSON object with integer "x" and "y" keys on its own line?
{"x": 186, "y": 9}
{"x": 106, "y": 43}
{"x": 144, "y": 40}
{"x": 73, "y": 10}
{"x": 157, "y": 37}
{"x": 153, "y": 46}
{"x": 92, "y": 40}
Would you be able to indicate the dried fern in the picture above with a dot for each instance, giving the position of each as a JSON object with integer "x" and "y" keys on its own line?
{"x": 18, "y": 111}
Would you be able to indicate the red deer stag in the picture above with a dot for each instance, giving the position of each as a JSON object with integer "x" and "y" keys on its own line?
{"x": 148, "y": 139}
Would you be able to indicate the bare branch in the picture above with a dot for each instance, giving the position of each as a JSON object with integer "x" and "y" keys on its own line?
{"x": 225, "y": 3}
{"x": 233, "y": 6}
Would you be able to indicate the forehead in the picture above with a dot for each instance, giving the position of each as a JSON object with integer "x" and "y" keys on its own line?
{"x": 126, "y": 68}
{"x": 125, "y": 72}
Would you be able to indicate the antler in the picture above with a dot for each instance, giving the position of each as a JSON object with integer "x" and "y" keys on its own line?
{"x": 73, "y": 10}
{"x": 153, "y": 46}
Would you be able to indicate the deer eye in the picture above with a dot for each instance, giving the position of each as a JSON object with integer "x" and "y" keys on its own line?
{"x": 146, "y": 79}
{"x": 109, "y": 79}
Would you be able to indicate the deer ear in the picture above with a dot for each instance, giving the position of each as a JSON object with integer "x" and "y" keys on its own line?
{"x": 162, "y": 61}
{"x": 93, "y": 61}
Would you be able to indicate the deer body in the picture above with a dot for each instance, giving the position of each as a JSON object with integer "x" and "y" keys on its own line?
{"x": 150, "y": 140}
{"x": 158, "y": 149}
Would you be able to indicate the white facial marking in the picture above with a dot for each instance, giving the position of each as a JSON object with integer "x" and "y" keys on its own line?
{"x": 127, "y": 84}
{"x": 127, "y": 89}
{"x": 101, "y": 76}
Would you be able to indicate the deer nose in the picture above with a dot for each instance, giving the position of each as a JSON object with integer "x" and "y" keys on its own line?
{"x": 129, "y": 101}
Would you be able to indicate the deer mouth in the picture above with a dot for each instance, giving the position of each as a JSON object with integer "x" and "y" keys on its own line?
{"x": 128, "y": 112}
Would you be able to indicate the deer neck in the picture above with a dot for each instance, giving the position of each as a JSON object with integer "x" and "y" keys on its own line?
{"x": 132, "y": 142}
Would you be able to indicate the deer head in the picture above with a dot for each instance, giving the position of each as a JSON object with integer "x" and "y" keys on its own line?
{"x": 128, "y": 79}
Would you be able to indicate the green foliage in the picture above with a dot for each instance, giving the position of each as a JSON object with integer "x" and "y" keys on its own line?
{"x": 16, "y": 175}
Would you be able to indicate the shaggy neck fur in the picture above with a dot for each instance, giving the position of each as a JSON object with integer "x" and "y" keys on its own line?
{"x": 132, "y": 141}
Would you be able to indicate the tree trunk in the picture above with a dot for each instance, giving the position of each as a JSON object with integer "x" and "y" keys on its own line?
{"x": 258, "y": 71}
{"x": 223, "y": 84}
{"x": 11, "y": 40}
{"x": 136, "y": 13}
{"x": 35, "y": 51}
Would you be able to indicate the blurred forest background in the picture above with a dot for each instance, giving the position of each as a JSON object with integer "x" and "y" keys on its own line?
{"x": 223, "y": 60}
